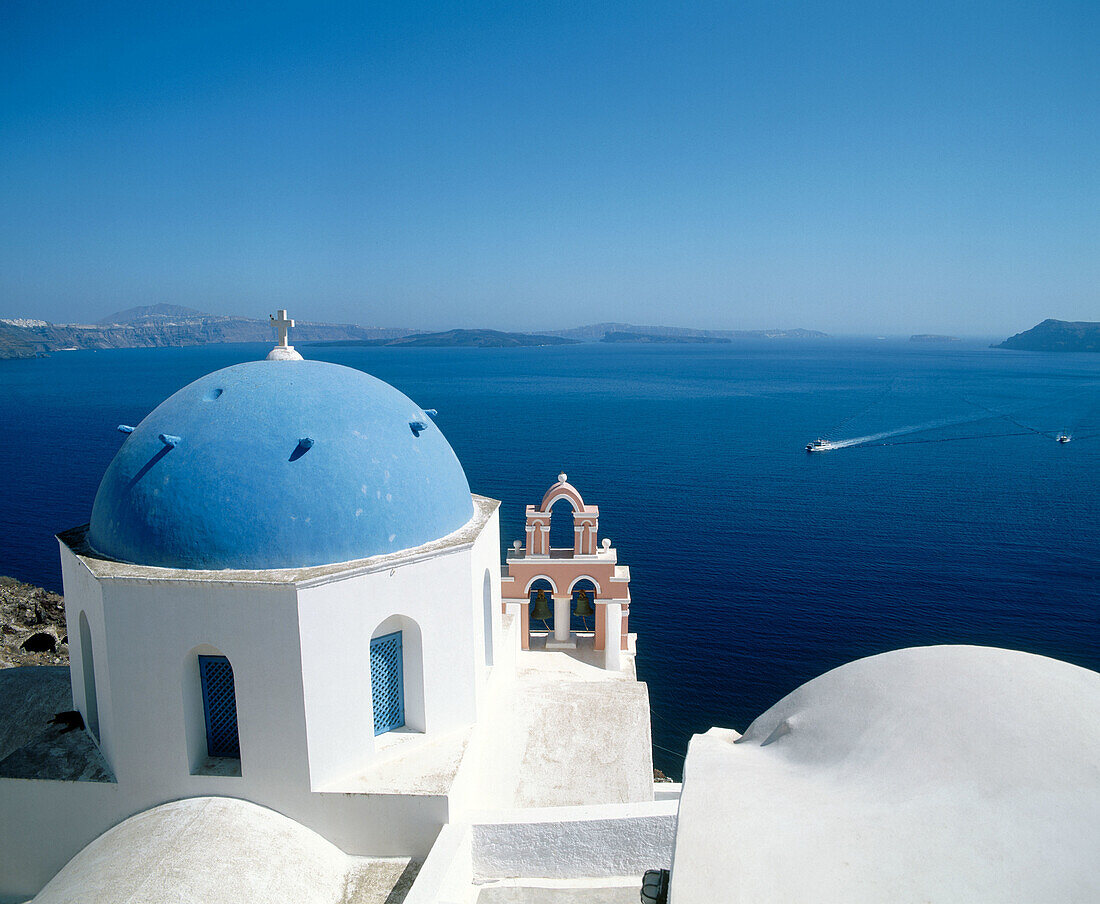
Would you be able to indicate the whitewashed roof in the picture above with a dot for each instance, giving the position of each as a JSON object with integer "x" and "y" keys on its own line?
{"x": 212, "y": 850}
{"x": 931, "y": 774}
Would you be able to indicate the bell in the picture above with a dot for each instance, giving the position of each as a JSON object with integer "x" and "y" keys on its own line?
{"x": 541, "y": 612}
{"x": 584, "y": 608}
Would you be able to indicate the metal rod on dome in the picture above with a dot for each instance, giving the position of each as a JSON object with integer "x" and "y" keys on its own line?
{"x": 304, "y": 445}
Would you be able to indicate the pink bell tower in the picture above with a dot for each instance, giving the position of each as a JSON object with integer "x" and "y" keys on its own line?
{"x": 576, "y": 577}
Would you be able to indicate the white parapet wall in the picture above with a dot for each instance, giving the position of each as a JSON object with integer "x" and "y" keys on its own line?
{"x": 554, "y": 843}
{"x": 446, "y": 876}
{"x": 574, "y": 842}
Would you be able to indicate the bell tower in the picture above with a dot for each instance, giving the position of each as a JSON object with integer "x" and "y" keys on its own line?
{"x": 569, "y": 598}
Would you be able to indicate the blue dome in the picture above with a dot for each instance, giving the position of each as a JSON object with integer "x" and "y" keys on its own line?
{"x": 279, "y": 464}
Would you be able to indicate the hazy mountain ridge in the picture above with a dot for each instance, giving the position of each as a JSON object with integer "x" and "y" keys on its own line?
{"x": 151, "y": 314}
{"x": 1057, "y": 336}
{"x": 616, "y": 336}
{"x": 159, "y": 325}
{"x": 596, "y": 331}
{"x": 156, "y": 326}
{"x": 461, "y": 339}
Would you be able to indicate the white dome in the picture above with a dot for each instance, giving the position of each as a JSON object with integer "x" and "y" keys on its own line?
{"x": 930, "y": 774}
{"x": 211, "y": 849}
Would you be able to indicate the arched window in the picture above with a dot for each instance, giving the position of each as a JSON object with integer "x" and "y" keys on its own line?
{"x": 87, "y": 670}
{"x": 487, "y": 605}
{"x": 397, "y": 676}
{"x": 387, "y": 682}
{"x": 219, "y": 704}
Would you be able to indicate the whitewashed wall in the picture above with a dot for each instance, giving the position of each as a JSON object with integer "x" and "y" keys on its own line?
{"x": 485, "y": 602}
{"x": 87, "y": 600}
{"x": 336, "y": 620}
{"x": 301, "y": 664}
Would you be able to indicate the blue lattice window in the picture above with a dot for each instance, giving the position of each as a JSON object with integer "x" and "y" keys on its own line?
{"x": 387, "y": 682}
{"x": 219, "y": 703}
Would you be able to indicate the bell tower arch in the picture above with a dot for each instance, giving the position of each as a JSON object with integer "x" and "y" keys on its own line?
{"x": 590, "y": 590}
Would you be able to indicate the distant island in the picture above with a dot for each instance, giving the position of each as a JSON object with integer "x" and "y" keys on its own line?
{"x": 597, "y": 331}
{"x": 620, "y": 336}
{"x": 933, "y": 337}
{"x": 1057, "y": 336}
{"x": 460, "y": 339}
{"x": 161, "y": 325}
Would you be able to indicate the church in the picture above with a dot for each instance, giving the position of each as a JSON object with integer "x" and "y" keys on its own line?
{"x": 301, "y": 672}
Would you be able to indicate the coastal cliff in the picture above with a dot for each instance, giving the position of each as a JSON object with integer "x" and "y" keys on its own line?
{"x": 158, "y": 326}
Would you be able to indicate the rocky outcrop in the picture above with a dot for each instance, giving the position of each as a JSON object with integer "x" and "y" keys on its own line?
{"x": 32, "y": 625}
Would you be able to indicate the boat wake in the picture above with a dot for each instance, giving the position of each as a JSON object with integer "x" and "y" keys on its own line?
{"x": 988, "y": 414}
{"x": 904, "y": 431}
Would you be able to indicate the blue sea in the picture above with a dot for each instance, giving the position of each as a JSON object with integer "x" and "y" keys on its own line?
{"x": 953, "y": 517}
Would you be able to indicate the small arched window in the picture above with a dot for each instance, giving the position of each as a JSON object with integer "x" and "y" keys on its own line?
{"x": 487, "y": 605}
{"x": 87, "y": 670}
{"x": 387, "y": 682}
{"x": 397, "y": 676}
{"x": 219, "y": 704}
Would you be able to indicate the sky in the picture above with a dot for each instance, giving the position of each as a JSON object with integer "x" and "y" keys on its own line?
{"x": 853, "y": 167}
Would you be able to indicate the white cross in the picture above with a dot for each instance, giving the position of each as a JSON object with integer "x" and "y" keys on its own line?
{"x": 283, "y": 325}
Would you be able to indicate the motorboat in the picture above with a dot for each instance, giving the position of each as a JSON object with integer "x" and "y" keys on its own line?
{"x": 1063, "y": 438}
